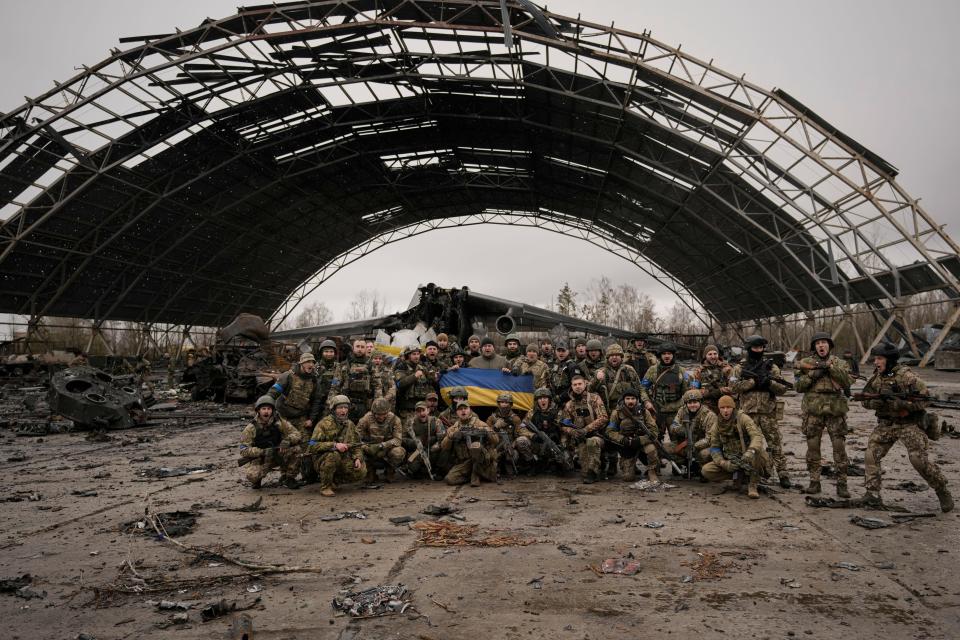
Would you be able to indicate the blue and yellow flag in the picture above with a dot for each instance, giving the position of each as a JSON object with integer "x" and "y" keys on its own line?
{"x": 484, "y": 385}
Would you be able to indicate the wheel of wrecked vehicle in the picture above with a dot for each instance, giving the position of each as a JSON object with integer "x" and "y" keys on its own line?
{"x": 95, "y": 397}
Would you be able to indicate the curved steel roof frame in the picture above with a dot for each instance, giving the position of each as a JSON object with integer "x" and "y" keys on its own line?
{"x": 230, "y": 167}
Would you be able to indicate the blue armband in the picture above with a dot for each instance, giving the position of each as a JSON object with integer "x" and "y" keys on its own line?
{"x": 567, "y": 422}
{"x": 694, "y": 384}
{"x": 311, "y": 442}
{"x": 334, "y": 381}
{"x": 242, "y": 447}
{"x": 277, "y": 387}
{"x": 716, "y": 450}
{"x": 613, "y": 425}
{"x": 646, "y": 384}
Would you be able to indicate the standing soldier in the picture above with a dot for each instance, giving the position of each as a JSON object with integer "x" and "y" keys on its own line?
{"x": 534, "y": 366}
{"x": 690, "y": 433}
{"x": 488, "y": 358}
{"x": 511, "y": 350}
{"x": 385, "y": 372}
{"x": 755, "y": 381}
{"x": 662, "y": 388}
{"x": 898, "y": 396}
{"x": 736, "y": 448}
{"x": 429, "y": 431}
{"x": 629, "y": 438}
{"x": 545, "y": 416}
{"x": 594, "y": 358}
{"x": 561, "y": 371}
{"x": 546, "y": 351}
{"x": 326, "y": 371}
{"x": 356, "y": 380}
{"x": 612, "y": 379}
{"x": 513, "y": 435}
{"x": 824, "y": 380}
{"x": 713, "y": 376}
{"x": 381, "y": 433}
{"x": 445, "y": 350}
{"x": 641, "y": 359}
{"x": 579, "y": 349}
{"x": 269, "y": 442}
{"x": 473, "y": 347}
{"x": 474, "y": 449}
{"x": 336, "y": 449}
{"x": 300, "y": 402}
{"x": 584, "y": 415}
{"x": 414, "y": 380}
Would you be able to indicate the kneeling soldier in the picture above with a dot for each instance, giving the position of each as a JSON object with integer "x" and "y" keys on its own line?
{"x": 382, "y": 434}
{"x": 514, "y": 437}
{"x": 336, "y": 448}
{"x": 584, "y": 415}
{"x": 733, "y": 455}
{"x": 626, "y": 434}
{"x": 426, "y": 428}
{"x": 474, "y": 447}
{"x": 269, "y": 442}
{"x": 690, "y": 433}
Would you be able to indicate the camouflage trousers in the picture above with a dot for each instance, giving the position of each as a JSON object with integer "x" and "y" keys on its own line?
{"x": 589, "y": 452}
{"x": 335, "y": 468}
{"x": 481, "y": 464}
{"x": 381, "y": 457}
{"x": 836, "y": 427}
{"x": 307, "y": 473}
{"x": 439, "y": 461}
{"x": 715, "y": 473}
{"x": 914, "y": 439}
{"x": 288, "y": 465}
{"x": 628, "y": 461}
{"x": 767, "y": 422}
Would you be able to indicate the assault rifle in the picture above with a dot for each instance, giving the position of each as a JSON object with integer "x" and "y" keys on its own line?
{"x": 269, "y": 453}
{"x": 510, "y": 452}
{"x": 559, "y": 455}
{"x": 740, "y": 464}
{"x": 421, "y": 452}
{"x": 688, "y": 428}
{"x": 469, "y": 434}
{"x": 661, "y": 452}
{"x": 907, "y": 397}
{"x": 763, "y": 379}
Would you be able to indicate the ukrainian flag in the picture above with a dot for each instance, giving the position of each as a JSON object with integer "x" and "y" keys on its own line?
{"x": 484, "y": 385}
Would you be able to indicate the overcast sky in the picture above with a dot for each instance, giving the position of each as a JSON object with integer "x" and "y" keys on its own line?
{"x": 884, "y": 72}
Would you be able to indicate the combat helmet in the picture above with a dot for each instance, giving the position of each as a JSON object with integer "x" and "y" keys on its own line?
{"x": 328, "y": 344}
{"x": 505, "y": 397}
{"x": 594, "y": 345}
{"x": 542, "y": 392}
{"x": 754, "y": 340}
{"x": 458, "y": 392}
{"x": 265, "y": 400}
{"x": 614, "y": 350}
{"x": 380, "y": 405}
{"x": 338, "y": 400}
{"x": 692, "y": 395}
{"x": 820, "y": 335}
{"x": 667, "y": 347}
{"x": 512, "y": 336}
{"x": 885, "y": 349}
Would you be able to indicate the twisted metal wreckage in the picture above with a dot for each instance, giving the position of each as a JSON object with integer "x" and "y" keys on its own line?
{"x": 236, "y": 166}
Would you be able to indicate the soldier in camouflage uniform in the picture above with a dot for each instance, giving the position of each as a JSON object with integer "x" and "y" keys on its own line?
{"x": 356, "y": 379}
{"x": 300, "y": 402}
{"x": 824, "y": 380}
{"x": 474, "y": 457}
{"x": 610, "y": 380}
{"x": 898, "y": 419}
{"x": 754, "y": 382}
{"x": 473, "y": 347}
{"x": 336, "y": 448}
{"x": 270, "y": 442}
{"x": 381, "y": 433}
{"x": 701, "y": 422}
{"x": 511, "y": 350}
{"x": 449, "y": 415}
{"x": 640, "y": 358}
{"x": 629, "y": 439}
{"x": 593, "y": 361}
{"x": 385, "y": 372}
{"x": 547, "y": 355}
{"x": 509, "y": 427}
{"x": 428, "y": 429}
{"x": 326, "y": 371}
{"x": 414, "y": 380}
{"x": 735, "y": 441}
{"x": 584, "y": 415}
{"x": 545, "y": 414}
{"x": 561, "y": 371}
{"x": 712, "y": 377}
{"x": 579, "y": 349}
{"x": 534, "y": 366}
{"x": 445, "y": 350}
{"x": 662, "y": 388}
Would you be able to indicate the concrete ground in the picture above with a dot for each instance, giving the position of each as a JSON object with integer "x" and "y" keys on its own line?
{"x": 721, "y": 564}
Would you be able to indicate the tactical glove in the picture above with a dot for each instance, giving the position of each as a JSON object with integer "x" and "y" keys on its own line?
{"x": 727, "y": 466}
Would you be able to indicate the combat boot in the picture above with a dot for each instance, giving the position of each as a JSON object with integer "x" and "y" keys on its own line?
{"x": 871, "y": 499}
{"x": 255, "y": 484}
{"x": 589, "y": 477}
{"x": 474, "y": 479}
{"x": 289, "y": 483}
{"x": 842, "y": 491}
{"x": 389, "y": 474}
{"x": 814, "y": 487}
{"x": 784, "y": 480}
{"x": 946, "y": 500}
{"x": 327, "y": 492}
{"x": 652, "y": 475}
{"x": 371, "y": 477}
{"x": 752, "y": 489}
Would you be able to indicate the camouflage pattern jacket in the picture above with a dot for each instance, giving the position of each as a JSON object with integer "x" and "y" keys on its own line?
{"x": 459, "y": 446}
{"x": 823, "y": 389}
{"x": 624, "y": 424}
{"x": 590, "y": 367}
{"x": 900, "y": 379}
{"x": 329, "y": 431}
{"x": 539, "y": 371}
{"x": 510, "y": 423}
{"x": 730, "y": 436}
{"x": 430, "y": 432}
{"x": 664, "y": 387}
{"x": 326, "y": 371}
{"x": 388, "y": 433}
{"x": 640, "y": 360}
{"x": 585, "y": 413}
{"x": 752, "y": 400}
{"x": 712, "y": 378}
{"x": 257, "y": 437}
{"x": 410, "y": 388}
{"x": 298, "y": 394}
{"x": 356, "y": 379}
{"x": 614, "y": 383}
{"x": 701, "y": 424}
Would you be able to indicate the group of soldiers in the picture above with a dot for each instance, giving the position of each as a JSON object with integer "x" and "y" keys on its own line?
{"x": 603, "y": 411}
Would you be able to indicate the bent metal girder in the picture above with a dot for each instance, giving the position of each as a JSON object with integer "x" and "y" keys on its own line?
{"x": 230, "y": 167}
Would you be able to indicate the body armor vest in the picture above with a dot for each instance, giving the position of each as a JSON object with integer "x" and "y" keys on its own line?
{"x": 267, "y": 437}
{"x": 297, "y": 399}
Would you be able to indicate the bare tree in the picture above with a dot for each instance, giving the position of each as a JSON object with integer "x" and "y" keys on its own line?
{"x": 314, "y": 314}
{"x": 367, "y": 304}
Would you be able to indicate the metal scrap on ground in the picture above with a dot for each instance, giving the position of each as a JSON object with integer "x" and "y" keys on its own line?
{"x": 449, "y": 534}
{"x": 373, "y": 602}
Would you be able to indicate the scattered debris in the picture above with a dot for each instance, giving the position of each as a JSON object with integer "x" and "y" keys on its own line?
{"x": 674, "y": 542}
{"x": 359, "y": 515}
{"x": 19, "y": 456}
{"x": 652, "y": 486}
{"x": 250, "y": 508}
{"x": 402, "y": 519}
{"x": 849, "y": 566}
{"x": 907, "y": 517}
{"x": 911, "y": 486}
{"x": 12, "y": 585}
{"x": 855, "y": 503}
{"x": 170, "y": 605}
{"x": 174, "y": 472}
{"x": 373, "y": 602}
{"x": 854, "y": 470}
{"x": 171, "y": 525}
{"x": 619, "y": 519}
{"x": 442, "y": 509}
{"x": 536, "y": 583}
{"x": 84, "y": 493}
{"x": 566, "y": 550}
{"x": 222, "y": 608}
{"x": 449, "y": 534}
{"x": 787, "y": 527}
{"x": 869, "y": 523}
{"x": 790, "y": 582}
{"x": 708, "y": 566}
{"x": 620, "y": 566}
{"x": 686, "y": 579}
{"x": 654, "y": 524}
{"x": 886, "y": 565}
{"x": 255, "y": 588}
